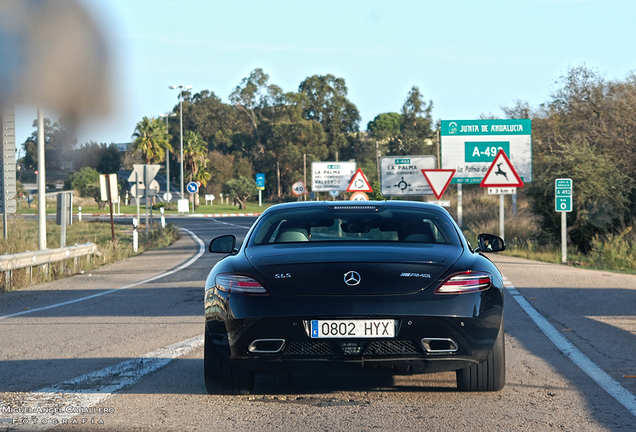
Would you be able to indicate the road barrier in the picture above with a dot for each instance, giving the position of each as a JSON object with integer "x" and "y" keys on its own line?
{"x": 11, "y": 262}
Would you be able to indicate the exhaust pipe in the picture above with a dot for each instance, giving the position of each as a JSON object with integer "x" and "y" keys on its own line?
{"x": 266, "y": 346}
{"x": 439, "y": 345}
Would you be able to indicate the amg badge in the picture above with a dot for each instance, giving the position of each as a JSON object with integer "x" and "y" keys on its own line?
{"x": 416, "y": 275}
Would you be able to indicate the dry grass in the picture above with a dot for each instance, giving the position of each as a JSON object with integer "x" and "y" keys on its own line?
{"x": 23, "y": 237}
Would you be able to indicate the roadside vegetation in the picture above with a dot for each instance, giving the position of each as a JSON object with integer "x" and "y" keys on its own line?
{"x": 585, "y": 130}
{"x": 23, "y": 236}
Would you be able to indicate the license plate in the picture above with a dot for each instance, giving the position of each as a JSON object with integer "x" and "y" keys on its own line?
{"x": 352, "y": 328}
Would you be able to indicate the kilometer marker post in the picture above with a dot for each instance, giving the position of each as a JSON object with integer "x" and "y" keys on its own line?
{"x": 563, "y": 204}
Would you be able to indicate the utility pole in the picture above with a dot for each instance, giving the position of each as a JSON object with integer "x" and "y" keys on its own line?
{"x": 41, "y": 183}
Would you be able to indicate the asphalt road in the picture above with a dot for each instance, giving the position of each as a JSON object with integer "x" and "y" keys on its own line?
{"x": 133, "y": 351}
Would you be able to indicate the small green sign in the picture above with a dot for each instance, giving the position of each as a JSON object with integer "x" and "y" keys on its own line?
{"x": 333, "y": 166}
{"x": 403, "y": 161}
{"x": 563, "y": 195}
{"x": 564, "y": 204}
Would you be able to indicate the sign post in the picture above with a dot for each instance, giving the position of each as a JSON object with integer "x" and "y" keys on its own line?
{"x": 563, "y": 204}
{"x": 7, "y": 165}
{"x": 260, "y": 184}
{"x": 502, "y": 176}
{"x": 192, "y": 187}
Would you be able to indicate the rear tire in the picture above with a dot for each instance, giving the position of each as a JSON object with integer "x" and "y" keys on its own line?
{"x": 221, "y": 377}
{"x": 489, "y": 375}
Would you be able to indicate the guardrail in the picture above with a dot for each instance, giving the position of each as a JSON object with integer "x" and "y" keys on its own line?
{"x": 11, "y": 262}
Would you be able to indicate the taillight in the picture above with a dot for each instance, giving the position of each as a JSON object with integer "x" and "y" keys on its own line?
{"x": 465, "y": 282}
{"x": 234, "y": 283}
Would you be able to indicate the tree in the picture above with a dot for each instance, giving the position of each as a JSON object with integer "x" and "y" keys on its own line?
{"x": 151, "y": 140}
{"x": 252, "y": 97}
{"x": 86, "y": 182}
{"x": 241, "y": 189}
{"x": 195, "y": 152}
{"x": 58, "y": 143}
{"x": 385, "y": 126}
{"x": 109, "y": 160}
{"x": 326, "y": 102}
{"x": 385, "y": 129}
{"x": 601, "y": 191}
{"x": 416, "y": 129}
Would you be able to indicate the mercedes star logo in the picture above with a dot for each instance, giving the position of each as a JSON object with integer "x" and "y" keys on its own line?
{"x": 352, "y": 278}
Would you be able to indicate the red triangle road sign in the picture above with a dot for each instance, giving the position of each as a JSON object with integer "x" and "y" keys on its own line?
{"x": 359, "y": 183}
{"x": 438, "y": 179}
{"x": 501, "y": 173}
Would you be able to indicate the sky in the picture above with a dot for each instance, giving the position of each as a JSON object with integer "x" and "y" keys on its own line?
{"x": 468, "y": 57}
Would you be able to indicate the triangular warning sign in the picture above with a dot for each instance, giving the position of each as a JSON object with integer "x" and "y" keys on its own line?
{"x": 438, "y": 179}
{"x": 359, "y": 183}
{"x": 501, "y": 173}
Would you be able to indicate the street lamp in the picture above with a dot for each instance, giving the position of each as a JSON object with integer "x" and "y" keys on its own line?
{"x": 167, "y": 115}
{"x": 181, "y": 87}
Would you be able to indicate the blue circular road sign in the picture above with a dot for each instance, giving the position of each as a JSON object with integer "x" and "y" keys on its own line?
{"x": 192, "y": 187}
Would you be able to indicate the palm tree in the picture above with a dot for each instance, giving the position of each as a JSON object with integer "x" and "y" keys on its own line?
{"x": 151, "y": 139}
{"x": 195, "y": 152}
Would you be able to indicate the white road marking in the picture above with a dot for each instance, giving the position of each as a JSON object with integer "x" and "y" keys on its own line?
{"x": 103, "y": 293}
{"x": 80, "y": 397}
{"x": 609, "y": 384}
{"x": 231, "y": 224}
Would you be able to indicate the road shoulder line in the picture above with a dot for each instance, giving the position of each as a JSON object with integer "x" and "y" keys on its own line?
{"x": 188, "y": 263}
{"x": 607, "y": 383}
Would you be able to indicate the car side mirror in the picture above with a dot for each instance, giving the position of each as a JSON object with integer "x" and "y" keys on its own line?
{"x": 490, "y": 243}
{"x": 223, "y": 244}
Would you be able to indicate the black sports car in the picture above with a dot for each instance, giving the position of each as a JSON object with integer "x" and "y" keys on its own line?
{"x": 390, "y": 285}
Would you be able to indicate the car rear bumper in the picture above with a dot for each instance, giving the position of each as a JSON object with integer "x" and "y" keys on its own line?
{"x": 421, "y": 343}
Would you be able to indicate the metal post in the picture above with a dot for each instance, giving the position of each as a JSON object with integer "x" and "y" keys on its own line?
{"x": 146, "y": 195}
{"x": 137, "y": 190}
{"x": 168, "y": 197}
{"x": 564, "y": 237}
{"x": 41, "y": 183}
{"x": 63, "y": 219}
{"x": 514, "y": 205}
{"x": 260, "y": 198}
{"x": 110, "y": 206}
{"x": 278, "y": 175}
{"x": 439, "y": 144}
{"x": 181, "y": 151}
{"x": 305, "y": 173}
{"x": 135, "y": 235}
{"x": 460, "y": 203}
{"x": 501, "y": 216}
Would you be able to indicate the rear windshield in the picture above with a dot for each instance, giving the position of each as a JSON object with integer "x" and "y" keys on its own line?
{"x": 327, "y": 225}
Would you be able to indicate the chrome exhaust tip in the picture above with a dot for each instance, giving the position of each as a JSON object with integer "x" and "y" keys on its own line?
{"x": 266, "y": 346}
{"x": 439, "y": 345}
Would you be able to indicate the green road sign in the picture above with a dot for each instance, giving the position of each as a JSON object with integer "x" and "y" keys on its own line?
{"x": 470, "y": 146}
{"x": 563, "y": 195}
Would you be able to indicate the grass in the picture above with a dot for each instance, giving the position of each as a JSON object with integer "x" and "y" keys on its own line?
{"x": 525, "y": 239}
{"x": 90, "y": 207}
{"x": 23, "y": 236}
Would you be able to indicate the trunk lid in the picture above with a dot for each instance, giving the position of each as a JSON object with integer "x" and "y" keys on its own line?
{"x": 329, "y": 270}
